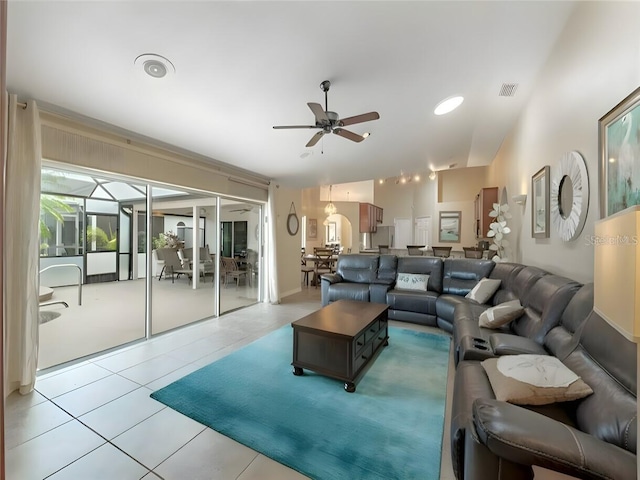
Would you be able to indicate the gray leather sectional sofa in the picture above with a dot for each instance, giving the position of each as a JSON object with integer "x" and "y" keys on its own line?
{"x": 593, "y": 437}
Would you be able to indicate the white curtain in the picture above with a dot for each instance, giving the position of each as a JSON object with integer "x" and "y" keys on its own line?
{"x": 272, "y": 290}
{"x": 22, "y": 212}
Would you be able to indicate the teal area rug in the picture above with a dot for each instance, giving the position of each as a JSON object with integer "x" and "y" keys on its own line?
{"x": 390, "y": 428}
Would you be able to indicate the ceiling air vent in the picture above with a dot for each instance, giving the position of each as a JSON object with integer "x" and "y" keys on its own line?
{"x": 508, "y": 90}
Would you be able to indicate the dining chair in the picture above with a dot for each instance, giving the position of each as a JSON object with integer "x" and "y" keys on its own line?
{"x": 441, "y": 251}
{"x": 473, "y": 252}
{"x": 323, "y": 263}
{"x": 415, "y": 250}
{"x": 305, "y": 269}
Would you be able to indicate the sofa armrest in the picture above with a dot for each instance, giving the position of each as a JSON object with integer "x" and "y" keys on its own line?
{"x": 326, "y": 280}
{"x": 507, "y": 344}
{"x": 529, "y": 438}
{"x": 378, "y": 292}
{"x": 331, "y": 278}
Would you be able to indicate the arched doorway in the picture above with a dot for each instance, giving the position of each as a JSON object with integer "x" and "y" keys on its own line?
{"x": 338, "y": 230}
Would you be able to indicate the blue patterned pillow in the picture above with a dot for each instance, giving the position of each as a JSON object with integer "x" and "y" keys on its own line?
{"x": 412, "y": 281}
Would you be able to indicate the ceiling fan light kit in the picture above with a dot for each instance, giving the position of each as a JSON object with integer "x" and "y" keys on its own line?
{"x": 330, "y": 122}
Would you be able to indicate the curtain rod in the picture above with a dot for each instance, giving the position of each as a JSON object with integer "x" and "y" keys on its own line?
{"x": 22, "y": 105}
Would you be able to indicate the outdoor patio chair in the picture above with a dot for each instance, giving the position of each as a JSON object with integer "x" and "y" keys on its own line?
{"x": 172, "y": 264}
{"x": 230, "y": 270}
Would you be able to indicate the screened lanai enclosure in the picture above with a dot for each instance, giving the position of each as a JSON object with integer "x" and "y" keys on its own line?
{"x": 122, "y": 260}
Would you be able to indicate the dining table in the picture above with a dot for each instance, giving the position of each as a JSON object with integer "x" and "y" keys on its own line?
{"x": 310, "y": 257}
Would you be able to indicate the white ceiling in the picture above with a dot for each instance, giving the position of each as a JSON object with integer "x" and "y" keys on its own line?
{"x": 242, "y": 67}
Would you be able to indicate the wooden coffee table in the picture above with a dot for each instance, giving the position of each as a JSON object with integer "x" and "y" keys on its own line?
{"x": 340, "y": 340}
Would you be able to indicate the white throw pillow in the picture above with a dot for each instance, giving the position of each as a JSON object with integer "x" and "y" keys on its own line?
{"x": 412, "y": 281}
{"x": 533, "y": 380}
{"x": 484, "y": 290}
{"x": 500, "y": 315}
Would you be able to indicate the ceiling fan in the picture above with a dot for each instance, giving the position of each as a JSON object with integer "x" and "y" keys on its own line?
{"x": 330, "y": 122}
{"x": 243, "y": 210}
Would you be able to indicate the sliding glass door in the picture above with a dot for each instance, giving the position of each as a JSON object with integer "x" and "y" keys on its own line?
{"x": 97, "y": 265}
{"x": 241, "y": 240}
{"x": 184, "y": 256}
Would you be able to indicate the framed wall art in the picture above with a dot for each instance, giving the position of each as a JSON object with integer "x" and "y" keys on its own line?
{"x": 449, "y": 227}
{"x": 540, "y": 203}
{"x": 312, "y": 228}
{"x": 619, "y": 146}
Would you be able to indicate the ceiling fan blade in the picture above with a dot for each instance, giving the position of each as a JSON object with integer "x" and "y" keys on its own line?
{"x": 318, "y": 111}
{"x": 365, "y": 117}
{"x": 354, "y": 137}
{"x": 277, "y": 127}
{"x": 315, "y": 139}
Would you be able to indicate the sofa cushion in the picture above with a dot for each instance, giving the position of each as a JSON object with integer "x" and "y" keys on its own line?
{"x": 505, "y": 272}
{"x": 446, "y": 305}
{"x": 524, "y": 281}
{"x": 606, "y": 361}
{"x": 460, "y": 275}
{"x": 387, "y": 269}
{"x": 484, "y": 290}
{"x": 533, "y": 380}
{"x": 560, "y": 341}
{"x": 431, "y": 266}
{"x": 500, "y": 315}
{"x": 412, "y": 281}
{"x": 544, "y": 305}
{"x": 357, "y": 268}
{"x": 412, "y": 301}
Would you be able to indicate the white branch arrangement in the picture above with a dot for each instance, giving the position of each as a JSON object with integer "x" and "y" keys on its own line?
{"x": 497, "y": 230}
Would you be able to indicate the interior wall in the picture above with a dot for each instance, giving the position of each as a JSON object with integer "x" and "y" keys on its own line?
{"x": 140, "y": 160}
{"x": 288, "y": 246}
{"x": 594, "y": 65}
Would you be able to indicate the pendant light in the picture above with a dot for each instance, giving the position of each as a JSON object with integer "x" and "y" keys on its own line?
{"x": 330, "y": 208}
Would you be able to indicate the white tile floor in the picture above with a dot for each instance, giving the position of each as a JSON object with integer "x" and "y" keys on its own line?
{"x": 95, "y": 419}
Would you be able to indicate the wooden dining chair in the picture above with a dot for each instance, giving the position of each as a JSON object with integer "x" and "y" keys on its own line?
{"x": 305, "y": 269}
{"x": 323, "y": 263}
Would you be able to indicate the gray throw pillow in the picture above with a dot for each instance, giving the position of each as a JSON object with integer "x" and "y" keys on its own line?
{"x": 484, "y": 290}
{"x": 500, "y": 315}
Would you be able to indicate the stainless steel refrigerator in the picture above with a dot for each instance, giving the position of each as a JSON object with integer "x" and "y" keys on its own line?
{"x": 383, "y": 236}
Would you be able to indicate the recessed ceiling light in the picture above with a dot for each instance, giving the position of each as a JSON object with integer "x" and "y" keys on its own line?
{"x": 448, "y": 105}
{"x": 365, "y": 134}
{"x": 154, "y": 65}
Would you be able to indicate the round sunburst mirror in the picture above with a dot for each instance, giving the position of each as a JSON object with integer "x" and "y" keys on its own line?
{"x": 569, "y": 196}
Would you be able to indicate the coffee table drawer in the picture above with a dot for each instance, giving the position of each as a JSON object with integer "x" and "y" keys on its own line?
{"x": 359, "y": 343}
{"x": 371, "y": 331}
{"x": 362, "y": 357}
